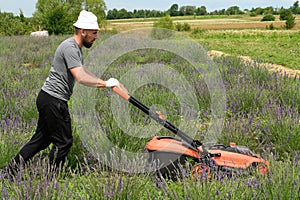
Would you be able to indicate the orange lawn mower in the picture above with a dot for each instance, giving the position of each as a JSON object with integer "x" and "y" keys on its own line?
{"x": 169, "y": 154}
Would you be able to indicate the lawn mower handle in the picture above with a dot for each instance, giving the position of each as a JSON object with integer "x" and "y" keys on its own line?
{"x": 156, "y": 117}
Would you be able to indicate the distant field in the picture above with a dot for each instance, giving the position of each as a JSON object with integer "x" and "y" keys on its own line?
{"x": 281, "y": 47}
{"x": 236, "y": 35}
{"x": 205, "y": 22}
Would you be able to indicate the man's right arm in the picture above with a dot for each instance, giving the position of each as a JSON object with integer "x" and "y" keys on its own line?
{"x": 86, "y": 78}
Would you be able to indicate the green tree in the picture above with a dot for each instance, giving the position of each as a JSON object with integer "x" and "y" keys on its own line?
{"x": 10, "y": 24}
{"x": 123, "y": 14}
{"x": 97, "y": 7}
{"x": 155, "y": 13}
{"x": 258, "y": 10}
{"x": 295, "y": 8}
{"x": 25, "y": 23}
{"x": 268, "y": 10}
{"x": 112, "y": 14}
{"x": 139, "y": 13}
{"x": 54, "y": 16}
{"x": 201, "y": 11}
{"x": 290, "y": 22}
{"x": 58, "y": 16}
{"x": 284, "y": 13}
{"x": 173, "y": 11}
{"x": 187, "y": 10}
{"x": 234, "y": 10}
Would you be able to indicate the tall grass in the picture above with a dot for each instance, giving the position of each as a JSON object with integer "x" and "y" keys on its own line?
{"x": 262, "y": 113}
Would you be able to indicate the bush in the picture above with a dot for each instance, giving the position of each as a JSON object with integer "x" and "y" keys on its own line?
{"x": 11, "y": 25}
{"x": 270, "y": 27}
{"x": 197, "y": 31}
{"x": 186, "y": 27}
{"x": 290, "y": 22}
{"x": 284, "y": 13}
{"x": 268, "y": 17}
{"x": 164, "y": 22}
{"x": 162, "y": 29}
{"x": 182, "y": 27}
{"x": 178, "y": 26}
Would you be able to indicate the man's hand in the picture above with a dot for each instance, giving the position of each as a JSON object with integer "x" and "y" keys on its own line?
{"x": 112, "y": 82}
{"x": 160, "y": 115}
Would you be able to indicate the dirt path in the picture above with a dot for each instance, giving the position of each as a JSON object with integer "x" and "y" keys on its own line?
{"x": 271, "y": 67}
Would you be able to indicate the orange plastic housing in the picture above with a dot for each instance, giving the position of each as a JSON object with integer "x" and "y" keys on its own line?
{"x": 238, "y": 160}
{"x": 222, "y": 157}
{"x": 171, "y": 145}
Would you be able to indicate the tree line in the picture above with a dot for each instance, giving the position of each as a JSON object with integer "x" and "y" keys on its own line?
{"x": 175, "y": 10}
{"x": 57, "y": 16}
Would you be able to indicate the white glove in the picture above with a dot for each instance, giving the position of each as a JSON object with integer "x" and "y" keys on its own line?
{"x": 112, "y": 82}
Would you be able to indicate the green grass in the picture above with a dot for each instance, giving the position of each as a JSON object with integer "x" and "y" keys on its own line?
{"x": 262, "y": 113}
{"x": 278, "y": 46}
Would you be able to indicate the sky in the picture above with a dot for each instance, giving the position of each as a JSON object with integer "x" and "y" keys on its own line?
{"x": 28, "y": 6}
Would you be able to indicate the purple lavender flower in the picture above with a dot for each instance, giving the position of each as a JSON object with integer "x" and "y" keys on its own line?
{"x": 281, "y": 111}
{"x": 5, "y": 192}
{"x": 120, "y": 185}
{"x": 37, "y": 189}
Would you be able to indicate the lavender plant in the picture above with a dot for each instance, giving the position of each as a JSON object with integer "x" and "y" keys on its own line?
{"x": 262, "y": 113}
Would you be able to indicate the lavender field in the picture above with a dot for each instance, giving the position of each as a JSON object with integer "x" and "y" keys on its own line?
{"x": 262, "y": 112}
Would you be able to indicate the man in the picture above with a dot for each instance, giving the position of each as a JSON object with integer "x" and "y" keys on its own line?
{"x": 54, "y": 123}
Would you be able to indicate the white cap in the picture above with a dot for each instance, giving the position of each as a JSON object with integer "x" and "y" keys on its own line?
{"x": 87, "y": 20}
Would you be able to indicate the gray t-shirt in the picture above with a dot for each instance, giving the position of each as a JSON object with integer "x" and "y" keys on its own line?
{"x": 60, "y": 81}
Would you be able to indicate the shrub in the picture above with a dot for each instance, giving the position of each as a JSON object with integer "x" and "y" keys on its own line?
{"x": 268, "y": 17}
{"x": 11, "y": 25}
{"x": 178, "y": 26}
{"x": 164, "y": 22}
{"x": 162, "y": 29}
{"x": 186, "y": 27}
{"x": 290, "y": 22}
{"x": 270, "y": 27}
{"x": 284, "y": 13}
{"x": 182, "y": 27}
{"x": 197, "y": 31}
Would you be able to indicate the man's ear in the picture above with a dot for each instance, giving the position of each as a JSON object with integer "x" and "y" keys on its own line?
{"x": 82, "y": 32}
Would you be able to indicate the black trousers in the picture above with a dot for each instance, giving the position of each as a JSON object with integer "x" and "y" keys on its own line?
{"x": 54, "y": 126}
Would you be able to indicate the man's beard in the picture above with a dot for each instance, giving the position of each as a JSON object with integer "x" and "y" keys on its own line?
{"x": 86, "y": 44}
